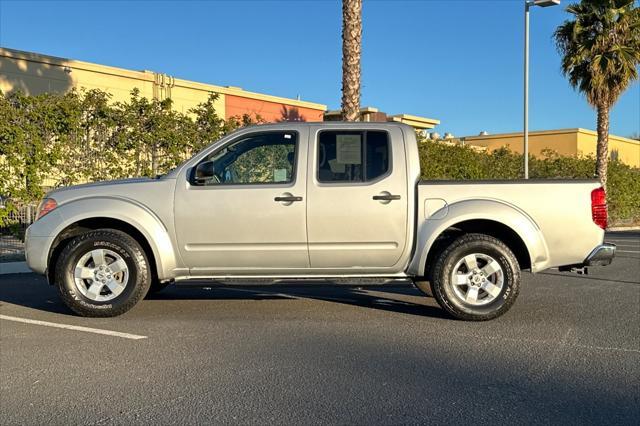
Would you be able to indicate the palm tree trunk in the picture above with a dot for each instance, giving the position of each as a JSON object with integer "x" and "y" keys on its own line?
{"x": 602, "y": 150}
{"x": 351, "y": 49}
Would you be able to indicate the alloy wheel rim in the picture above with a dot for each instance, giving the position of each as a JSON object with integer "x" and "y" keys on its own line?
{"x": 101, "y": 275}
{"x": 477, "y": 279}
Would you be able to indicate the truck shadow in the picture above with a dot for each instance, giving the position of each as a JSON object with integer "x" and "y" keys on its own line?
{"x": 32, "y": 292}
{"x": 589, "y": 277}
{"x": 403, "y": 299}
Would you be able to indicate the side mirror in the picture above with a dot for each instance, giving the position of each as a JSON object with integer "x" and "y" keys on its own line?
{"x": 204, "y": 172}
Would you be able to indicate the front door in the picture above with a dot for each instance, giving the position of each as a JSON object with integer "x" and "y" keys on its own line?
{"x": 357, "y": 200}
{"x": 250, "y": 214}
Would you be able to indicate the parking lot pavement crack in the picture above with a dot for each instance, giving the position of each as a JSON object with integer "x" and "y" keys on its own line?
{"x": 140, "y": 409}
{"x": 163, "y": 403}
{"x": 559, "y": 351}
{"x": 564, "y": 342}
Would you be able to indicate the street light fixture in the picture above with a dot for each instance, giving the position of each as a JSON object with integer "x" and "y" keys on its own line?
{"x": 527, "y": 5}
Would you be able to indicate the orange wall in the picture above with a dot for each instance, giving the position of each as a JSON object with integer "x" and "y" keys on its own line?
{"x": 269, "y": 111}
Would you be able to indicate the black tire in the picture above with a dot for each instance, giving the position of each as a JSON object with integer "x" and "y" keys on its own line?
{"x": 443, "y": 270}
{"x": 135, "y": 289}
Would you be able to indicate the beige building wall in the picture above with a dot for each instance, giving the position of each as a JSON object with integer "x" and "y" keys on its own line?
{"x": 564, "y": 141}
{"x": 35, "y": 73}
{"x": 624, "y": 149}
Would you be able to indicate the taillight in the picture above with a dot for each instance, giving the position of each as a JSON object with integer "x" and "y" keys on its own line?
{"x": 599, "y": 207}
{"x": 47, "y": 205}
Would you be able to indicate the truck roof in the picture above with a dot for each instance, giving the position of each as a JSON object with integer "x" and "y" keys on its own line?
{"x": 330, "y": 124}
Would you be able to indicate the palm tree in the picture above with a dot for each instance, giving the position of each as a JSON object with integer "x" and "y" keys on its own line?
{"x": 351, "y": 48}
{"x": 601, "y": 53}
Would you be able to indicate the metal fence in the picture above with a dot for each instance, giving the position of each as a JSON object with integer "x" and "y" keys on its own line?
{"x": 12, "y": 235}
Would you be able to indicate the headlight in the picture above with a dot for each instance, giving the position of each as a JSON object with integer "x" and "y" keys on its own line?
{"x": 46, "y": 205}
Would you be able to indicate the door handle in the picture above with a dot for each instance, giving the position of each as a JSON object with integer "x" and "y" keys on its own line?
{"x": 291, "y": 198}
{"x": 386, "y": 197}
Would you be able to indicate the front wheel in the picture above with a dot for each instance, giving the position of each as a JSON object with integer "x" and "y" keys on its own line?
{"x": 476, "y": 278}
{"x": 102, "y": 273}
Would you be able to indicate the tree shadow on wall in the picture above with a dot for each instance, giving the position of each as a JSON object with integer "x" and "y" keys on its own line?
{"x": 290, "y": 114}
{"x": 33, "y": 74}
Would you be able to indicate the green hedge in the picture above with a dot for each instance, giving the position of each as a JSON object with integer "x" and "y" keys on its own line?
{"x": 445, "y": 161}
{"x": 61, "y": 139}
{"x": 52, "y": 140}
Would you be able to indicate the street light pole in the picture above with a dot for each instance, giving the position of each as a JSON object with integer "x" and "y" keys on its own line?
{"x": 527, "y": 6}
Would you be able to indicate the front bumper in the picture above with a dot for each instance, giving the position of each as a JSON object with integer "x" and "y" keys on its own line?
{"x": 36, "y": 250}
{"x": 602, "y": 255}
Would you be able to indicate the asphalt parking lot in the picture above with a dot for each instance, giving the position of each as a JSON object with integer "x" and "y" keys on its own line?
{"x": 568, "y": 352}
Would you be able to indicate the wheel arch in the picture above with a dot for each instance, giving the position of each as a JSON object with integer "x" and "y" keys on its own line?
{"x": 483, "y": 226}
{"x": 124, "y": 216}
{"x": 94, "y": 223}
{"x": 490, "y": 217}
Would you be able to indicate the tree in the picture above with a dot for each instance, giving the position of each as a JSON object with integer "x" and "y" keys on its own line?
{"x": 84, "y": 145}
{"x": 209, "y": 126}
{"x": 600, "y": 50}
{"x": 351, "y": 49}
{"x": 30, "y": 128}
{"x": 149, "y": 137}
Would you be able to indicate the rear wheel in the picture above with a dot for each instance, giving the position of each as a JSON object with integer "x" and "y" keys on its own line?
{"x": 476, "y": 278}
{"x": 102, "y": 273}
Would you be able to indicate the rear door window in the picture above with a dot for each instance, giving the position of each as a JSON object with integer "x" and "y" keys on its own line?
{"x": 352, "y": 156}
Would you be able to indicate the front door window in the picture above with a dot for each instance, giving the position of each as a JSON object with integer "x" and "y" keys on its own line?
{"x": 265, "y": 158}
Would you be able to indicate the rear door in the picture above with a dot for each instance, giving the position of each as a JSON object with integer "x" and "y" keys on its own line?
{"x": 357, "y": 199}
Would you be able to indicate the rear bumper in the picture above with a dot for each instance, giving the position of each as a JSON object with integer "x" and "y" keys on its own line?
{"x": 602, "y": 255}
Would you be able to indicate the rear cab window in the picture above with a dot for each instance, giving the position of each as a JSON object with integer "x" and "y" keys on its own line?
{"x": 353, "y": 156}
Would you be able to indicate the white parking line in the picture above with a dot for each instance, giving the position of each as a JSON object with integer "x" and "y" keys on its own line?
{"x": 74, "y": 327}
{"x": 627, "y": 251}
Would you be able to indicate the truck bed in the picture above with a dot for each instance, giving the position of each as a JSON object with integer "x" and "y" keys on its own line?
{"x": 558, "y": 209}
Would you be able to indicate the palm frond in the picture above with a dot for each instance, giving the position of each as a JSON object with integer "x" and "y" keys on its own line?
{"x": 600, "y": 48}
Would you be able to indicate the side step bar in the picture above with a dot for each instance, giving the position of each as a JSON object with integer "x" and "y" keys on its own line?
{"x": 297, "y": 281}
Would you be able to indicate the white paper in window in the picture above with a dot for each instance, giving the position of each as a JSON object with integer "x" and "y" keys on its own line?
{"x": 280, "y": 175}
{"x": 348, "y": 149}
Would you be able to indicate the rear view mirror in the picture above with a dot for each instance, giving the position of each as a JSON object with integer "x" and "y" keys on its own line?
{"x": 204, "y": 172}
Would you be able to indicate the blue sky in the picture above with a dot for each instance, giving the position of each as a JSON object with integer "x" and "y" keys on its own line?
{"x": 457, "y": 61}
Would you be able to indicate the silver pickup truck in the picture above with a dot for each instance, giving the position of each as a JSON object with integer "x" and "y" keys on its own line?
{"x": 309, "y": 202}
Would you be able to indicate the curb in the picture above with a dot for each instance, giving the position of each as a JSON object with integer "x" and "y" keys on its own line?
{"x": 623, "y": 228}
{"x": 14, "y": 268}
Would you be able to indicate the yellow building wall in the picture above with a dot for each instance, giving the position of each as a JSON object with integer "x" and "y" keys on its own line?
{"x": 34, "y": 74}
{"x": 626, "y": 150}
{"x": 564, "y": 142}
